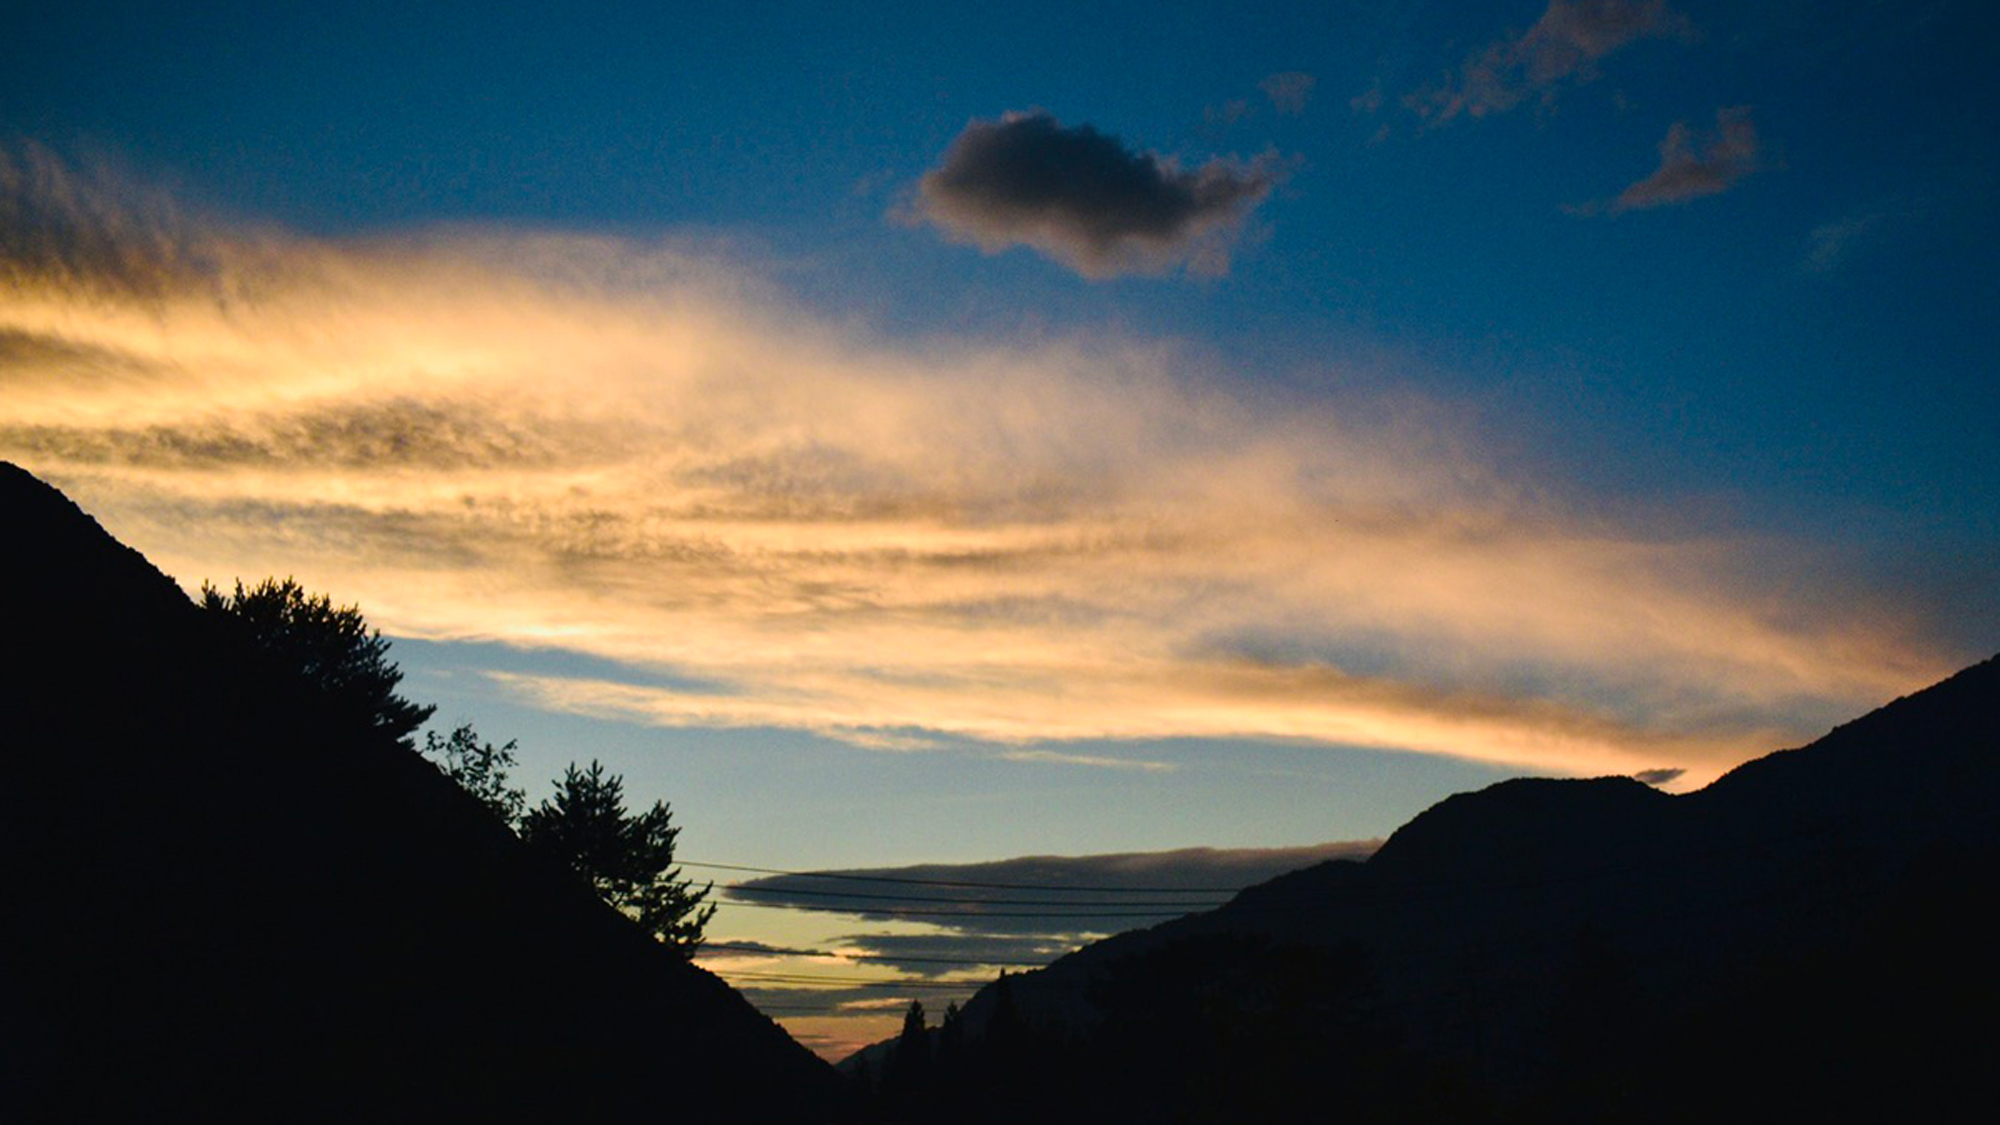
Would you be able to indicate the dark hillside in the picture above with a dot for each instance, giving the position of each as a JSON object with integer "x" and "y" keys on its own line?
{"x": 1796, "y": 939}
{"x": 218, "y": 906}
{"x": 1923, "y": 767}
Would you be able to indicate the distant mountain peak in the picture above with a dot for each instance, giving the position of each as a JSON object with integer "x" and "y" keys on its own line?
{"x": 1553, "y": 822}
{"x": 1531, "y": 931}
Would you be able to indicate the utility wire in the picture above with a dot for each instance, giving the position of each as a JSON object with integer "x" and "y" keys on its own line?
{"x": 1399, "y": 962}
{"x": 1397, "y": 887}
{"x": 1403, "y": 958}
{"x": 745, "y": 888}
{"x": 1372, "y": 892}
{"x": 961, "y": 882}
{"x": 734, "y": 947}
{"x": 846, "y": 982}
{"x": 1084, "y": 911}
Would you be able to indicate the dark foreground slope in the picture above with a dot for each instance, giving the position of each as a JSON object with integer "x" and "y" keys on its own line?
{"x": 215, "y": 904}
{"x": 1804, "y": 937}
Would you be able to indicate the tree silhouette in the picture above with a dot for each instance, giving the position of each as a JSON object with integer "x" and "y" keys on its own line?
{"x": 628, "y": 859}
{"x": 912, "y": 1061}
{"x": 480, "y": 768}
{"x": 951, "y": 1042}
{"x": 327, "y": 646}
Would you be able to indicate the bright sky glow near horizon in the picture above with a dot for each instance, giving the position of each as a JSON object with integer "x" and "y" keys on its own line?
{"x": 904, "y": 436}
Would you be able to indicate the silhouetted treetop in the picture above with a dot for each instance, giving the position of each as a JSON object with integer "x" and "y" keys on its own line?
{"x": 329, "y": 647}
{"x": 628, "y": 859}
{"x": 913, "y": 1049}
{"x": 480, "y": 768}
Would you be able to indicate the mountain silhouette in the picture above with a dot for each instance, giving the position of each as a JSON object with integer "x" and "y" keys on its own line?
{"x": 217, "y": 908}
{"x": 218, "y": 905}
{"x": 1803, "y": 934}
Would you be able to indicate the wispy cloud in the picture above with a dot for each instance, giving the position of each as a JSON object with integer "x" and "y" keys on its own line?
{"x": 1216, "y": 119}
{"x": 646, "y": 454}
{"x": 1103, "y": 761}
{"x": 1693, "y": 165}
{"x": 1085, "y": 199}
{"x": 1289, "y": 91}
{"x": 1564, "y": 46}
{"x": 740, "y": 949}
{"x": 1830, "y": 245}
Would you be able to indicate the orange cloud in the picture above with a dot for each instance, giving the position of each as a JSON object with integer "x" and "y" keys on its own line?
{"x": 637, "y": 452}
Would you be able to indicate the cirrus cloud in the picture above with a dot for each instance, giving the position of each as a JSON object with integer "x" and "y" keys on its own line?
{"x": 648, "y": 455}
{"x": 1564, "y": 45}
{"x": 1289, "y": 91}
{"x": 1693, "y": 166}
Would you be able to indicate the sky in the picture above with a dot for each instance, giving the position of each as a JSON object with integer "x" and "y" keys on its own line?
{"x": 903, "y": 436}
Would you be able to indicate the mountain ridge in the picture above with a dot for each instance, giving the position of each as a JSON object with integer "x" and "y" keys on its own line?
{"x": 1475, "y": 919}
{"x": 222, "y": 906}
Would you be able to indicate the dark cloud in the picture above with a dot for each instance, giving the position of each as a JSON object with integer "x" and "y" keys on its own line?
{"x": 1217, "y": 118}
{"x": 1831, "y": 244}
{"x": 402, "y": 434}
{"x": 1564, "y": 44}
{"x": 931, "y": 955}
{"x": 1289, "y": 91}
{"x": 1694, "y": 166}
{"x": 1666, "y": 775}
{"x": 739, "y": 949}
{"x": 1084, "y": 199}
{"x": 813, "y": 998}
{"x": 1050, "y": 898}
{"x": 30, "y": 358}
{"x": 93, "y": 230}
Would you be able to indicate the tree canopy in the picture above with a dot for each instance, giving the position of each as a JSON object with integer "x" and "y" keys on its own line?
{"x": 480, "y": 768}
{"x": 628, "y": 859}
{"x": 329, "y": 647}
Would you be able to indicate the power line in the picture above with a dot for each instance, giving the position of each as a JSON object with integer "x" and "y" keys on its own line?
{"x": 962, "y": 883}
{"x": 1541, "y": 935}
{"x": 919, "y": 912}
{"x": 847, "y": 982}
{"x": 1369, "y": 892}
{"x": 742, "y": 948}
{"x": 1399, "y": 888}
{"x": 746, "y": 888}
{"x": 1401, "y": 963}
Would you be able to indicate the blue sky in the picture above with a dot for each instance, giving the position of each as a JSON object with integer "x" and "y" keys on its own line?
{"x": 906, "y": 434}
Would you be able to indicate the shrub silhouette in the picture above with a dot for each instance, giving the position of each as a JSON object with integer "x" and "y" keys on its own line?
{"x": 480, "y": 768}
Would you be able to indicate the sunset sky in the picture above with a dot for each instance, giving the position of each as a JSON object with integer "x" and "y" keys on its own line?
{"x": 918, "y": 435}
